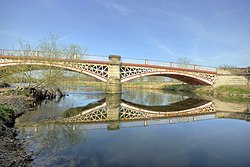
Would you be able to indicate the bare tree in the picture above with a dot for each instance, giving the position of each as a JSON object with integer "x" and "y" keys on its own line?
{"x": 49, "y": 48}
{"x": 183, "y": 61}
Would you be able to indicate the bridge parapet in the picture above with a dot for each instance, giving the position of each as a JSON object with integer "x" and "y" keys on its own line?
{"x": 148, "y": 62}
{"x": 52, "y": 55}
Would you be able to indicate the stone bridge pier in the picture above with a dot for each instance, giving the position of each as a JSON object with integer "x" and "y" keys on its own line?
{"x": 113, "y": 108}
{"x": 113, "y": 84}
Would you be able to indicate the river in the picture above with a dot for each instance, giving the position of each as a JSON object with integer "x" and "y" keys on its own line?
{"x": 137, "y": 128}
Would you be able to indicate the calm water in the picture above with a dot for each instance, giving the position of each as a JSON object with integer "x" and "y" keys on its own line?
{"x": 138, "y": 128}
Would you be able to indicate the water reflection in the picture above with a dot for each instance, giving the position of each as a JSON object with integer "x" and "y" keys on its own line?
{"x": 114, "y": 109}
{"x": 119, "y": 130}
{"x": 114, "y": 112}
{"x": 60, "y": 137}
{"x": 152, "y": 97}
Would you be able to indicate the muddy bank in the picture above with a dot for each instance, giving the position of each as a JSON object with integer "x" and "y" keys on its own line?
{"x": 12, "y": 150}
{"x": 13, "y": 103}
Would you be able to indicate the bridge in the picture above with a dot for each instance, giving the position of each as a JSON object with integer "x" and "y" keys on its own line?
{"x": 113, "y": 112}
{"x": 113, "y": 70}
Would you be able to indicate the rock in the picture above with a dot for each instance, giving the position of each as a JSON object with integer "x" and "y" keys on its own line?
{"x": 4, "y": 85}
{"x": 12, "y": 151}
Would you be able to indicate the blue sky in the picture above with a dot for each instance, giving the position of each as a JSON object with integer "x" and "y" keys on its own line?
{"x": 209, "y": 32}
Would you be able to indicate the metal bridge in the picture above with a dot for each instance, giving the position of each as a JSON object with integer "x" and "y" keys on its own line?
{"x": 107, "y": 69}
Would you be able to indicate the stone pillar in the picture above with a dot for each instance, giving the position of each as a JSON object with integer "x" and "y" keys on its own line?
{"x": 113, "y": 84}
{"x": 113, "y": 108}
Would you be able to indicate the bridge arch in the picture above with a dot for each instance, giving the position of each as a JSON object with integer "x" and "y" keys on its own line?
{"x": 69, "y": 68}
{"x": 182, "y": 76}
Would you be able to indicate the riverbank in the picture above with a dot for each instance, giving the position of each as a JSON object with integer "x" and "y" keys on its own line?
{"x": 148, "y": 85}
{"x": 222, "y": 91}
{"x": 13, "y": 103}
{"x": 141, "y": 85}
{"x": 225, "y": 91}
{"x": 12, "y": 150}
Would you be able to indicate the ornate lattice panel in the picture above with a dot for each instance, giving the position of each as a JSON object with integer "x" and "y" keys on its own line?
{"x": 130, "y": 71}
{"x": 209, "y": 77}
{"x": 128, "y": 114}
{"x": 99, "y": 69}
{"x": 97, "y": 115}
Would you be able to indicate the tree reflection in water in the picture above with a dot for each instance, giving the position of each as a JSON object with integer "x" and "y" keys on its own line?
{"x": 153, "y": 97}
{"x": 53, "y": 138}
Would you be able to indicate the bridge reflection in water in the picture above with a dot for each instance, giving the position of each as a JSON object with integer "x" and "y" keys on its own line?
{"x": 113, "y": 113}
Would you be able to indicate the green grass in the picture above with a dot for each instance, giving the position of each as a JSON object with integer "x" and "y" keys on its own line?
{"x": 234, "y": 99}
{"x": 233, "y": 89}
{"x": 6, "y": 112}
{"x": 147, "y": 85}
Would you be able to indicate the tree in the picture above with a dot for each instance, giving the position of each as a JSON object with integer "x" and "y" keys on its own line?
{"x": 183, "y": 62}
{"x": 49, "y": 48}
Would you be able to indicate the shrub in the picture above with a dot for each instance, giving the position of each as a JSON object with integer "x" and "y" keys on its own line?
{"x": 6, "y": 112}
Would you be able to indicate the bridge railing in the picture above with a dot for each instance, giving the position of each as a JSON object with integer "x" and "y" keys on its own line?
{"x": 17, "y": 52}
{"x": 168, "y": 64}
{"x": 74, "y": 56}
{"x": 62, "y": 55}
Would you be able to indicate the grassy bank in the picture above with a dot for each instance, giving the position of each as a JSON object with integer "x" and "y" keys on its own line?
{"x": 232, "y": 90}
{"x": 243, "y": 91}
{"x": 141, "y": 85}
{"x": 224, "y": 91}
{"x": 84, "y": 83}
{"x": 147, "y": 85}
{"x": 169, "y": 86}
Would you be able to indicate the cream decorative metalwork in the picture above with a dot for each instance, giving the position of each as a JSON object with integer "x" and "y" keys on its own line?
{"x": 209, "y": 77}
{"x": 132, "y": 113}
{"x": 127, "y": 112}
{"x": 127, "y": 71}
{"x": 133, "y": 72}
{"x": 99, "y": 71}
{"x": 98, "y": 115}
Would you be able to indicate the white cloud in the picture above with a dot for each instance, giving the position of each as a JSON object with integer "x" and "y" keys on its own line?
{"x": 64, "y": 37}
{"x": 157, "y": 44}
{"x": 8, "y": 33}
{"x": 123, "y": 10}
{"x": 226, "y": 13}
